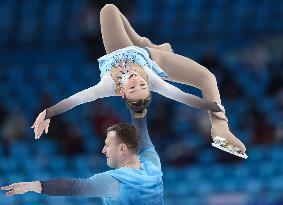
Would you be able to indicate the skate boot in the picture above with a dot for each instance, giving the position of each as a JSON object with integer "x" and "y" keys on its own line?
{"x": 222, "y": 144}
{"x": 223, "y": 139}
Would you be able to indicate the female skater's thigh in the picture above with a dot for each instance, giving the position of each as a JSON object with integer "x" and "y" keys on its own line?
{"x": 181, "y": 69}
{"x": 113, "y": 32}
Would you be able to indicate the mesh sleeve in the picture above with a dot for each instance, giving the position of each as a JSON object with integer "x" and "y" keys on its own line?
{"x": 104, "y": 88}
{"x": 146, "y": 148}
{"x": 100, "y": 185}
{"x": 145, "y": 141}
{"x": 160, "y": 86}
{"x": 151, "y": 154}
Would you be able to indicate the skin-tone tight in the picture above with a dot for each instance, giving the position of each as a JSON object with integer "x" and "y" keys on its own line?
{"x": 117, "y": 33}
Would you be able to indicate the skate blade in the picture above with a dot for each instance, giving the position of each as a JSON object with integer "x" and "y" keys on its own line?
{"x": 244, "y": 156}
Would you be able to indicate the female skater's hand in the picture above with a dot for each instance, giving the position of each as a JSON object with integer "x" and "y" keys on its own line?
{"x": 22, "y": 187}
{"x": 40, "y": 125}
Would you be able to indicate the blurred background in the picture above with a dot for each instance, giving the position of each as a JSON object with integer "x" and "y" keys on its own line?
{"x": 48, "y": 51}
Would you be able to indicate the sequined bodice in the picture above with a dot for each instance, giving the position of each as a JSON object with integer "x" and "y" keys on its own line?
{"x": 124, "y": 58}
{"x": 123, "y": 62}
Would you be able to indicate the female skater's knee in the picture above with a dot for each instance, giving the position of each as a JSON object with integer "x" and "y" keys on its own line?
{"x": 155, "y": 55}
{"x": 211, "y": 77}
{"x": 108, "y": 8}
{"x": 208, "y": 79}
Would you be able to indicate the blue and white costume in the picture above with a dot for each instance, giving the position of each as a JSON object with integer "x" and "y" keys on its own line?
{"x": 132, "y": 53}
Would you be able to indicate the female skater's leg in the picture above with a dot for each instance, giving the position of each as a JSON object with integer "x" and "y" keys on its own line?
{"x": 142, "y": 41}
{"x": 183, "y": 70}
{"x": 118, "y": 33}
{"x": 114, "y": 35}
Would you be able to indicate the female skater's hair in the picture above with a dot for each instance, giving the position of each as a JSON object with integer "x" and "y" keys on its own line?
{"x": 139, "y": 106}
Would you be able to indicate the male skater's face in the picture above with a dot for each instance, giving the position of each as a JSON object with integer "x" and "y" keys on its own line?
{"x": 111, "y": 149}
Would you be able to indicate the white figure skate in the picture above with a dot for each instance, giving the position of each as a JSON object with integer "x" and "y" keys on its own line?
{"x": 222, "y": 144}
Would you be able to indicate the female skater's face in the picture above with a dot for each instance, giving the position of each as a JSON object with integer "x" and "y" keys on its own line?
{"x": 135, "y": 87}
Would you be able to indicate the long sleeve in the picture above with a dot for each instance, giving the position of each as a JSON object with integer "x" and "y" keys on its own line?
{"x": 156, "y": 84}
{"x": 100, "y": 185}
{"x": 145, "y": 141}
{"x": 147, "y": 149}
{"x": 104, "y": 88}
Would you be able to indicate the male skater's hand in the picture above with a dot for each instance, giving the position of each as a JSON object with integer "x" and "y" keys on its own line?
{"x": 22, "y": 187}
{"x": 40, "y": 125}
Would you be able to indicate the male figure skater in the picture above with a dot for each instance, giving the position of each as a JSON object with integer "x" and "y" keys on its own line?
{"x": 135, "y": 179}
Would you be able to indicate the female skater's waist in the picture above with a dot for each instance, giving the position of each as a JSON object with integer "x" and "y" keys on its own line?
{"x": 132, "y": 54}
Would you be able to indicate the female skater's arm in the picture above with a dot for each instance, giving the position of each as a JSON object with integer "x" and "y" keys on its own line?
{"x": 100, "y": 185}
{"x": 104, "y": 88}
{"x": 164, "y": 88}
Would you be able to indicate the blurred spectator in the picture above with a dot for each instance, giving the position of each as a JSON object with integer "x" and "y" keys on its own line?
{"x": 256, "y": 122}
{"x": 101, "y": 118}
{"x": 229, "y": 87}
{"x": 276, "y": 80}
{"x": 258, "y": 57}
{"x": 179, "y": 154}
{"x": 279, "y": 99}
{"x": 89, "y": 20}
{"x": 212, "y": 62}
{"x": 227, "y": 83}
{"x": 279, "y": 133}
{"x": 90, "y": 30}
{"x": 264, "y": 130}
{"x": 126, "y": 6}
{"x": 279, "y": 112}
{"x": 3, "y": 113}
{"x": 72, "y": 142}
{"x": 45, "y": 101}
{"x": 14, "y": 127}
{"x": 160, "y": 125}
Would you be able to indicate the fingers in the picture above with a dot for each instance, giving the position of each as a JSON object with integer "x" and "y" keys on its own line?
{"x": 38, "y": 123}
{"x": 12, "y": 186}
{"x": 11, "y": 189}
{"x": 46, "y": 128}
{"x": 40, "y": 127}
{"x": 10, "y": 193}
{"x": 16, "y": 188}
{"x": 38, "y": 130}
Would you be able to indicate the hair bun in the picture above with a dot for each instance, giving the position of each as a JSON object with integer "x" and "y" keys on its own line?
{"x": 139, "y": 107}
{"x": 140, "y": 114}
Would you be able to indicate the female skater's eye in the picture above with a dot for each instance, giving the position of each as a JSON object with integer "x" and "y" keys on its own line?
{"x": 143, "y": 84}
{"x": 132, "y": 87}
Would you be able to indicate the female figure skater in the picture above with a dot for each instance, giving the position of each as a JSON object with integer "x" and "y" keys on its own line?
{"x": 134, "y": 66}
